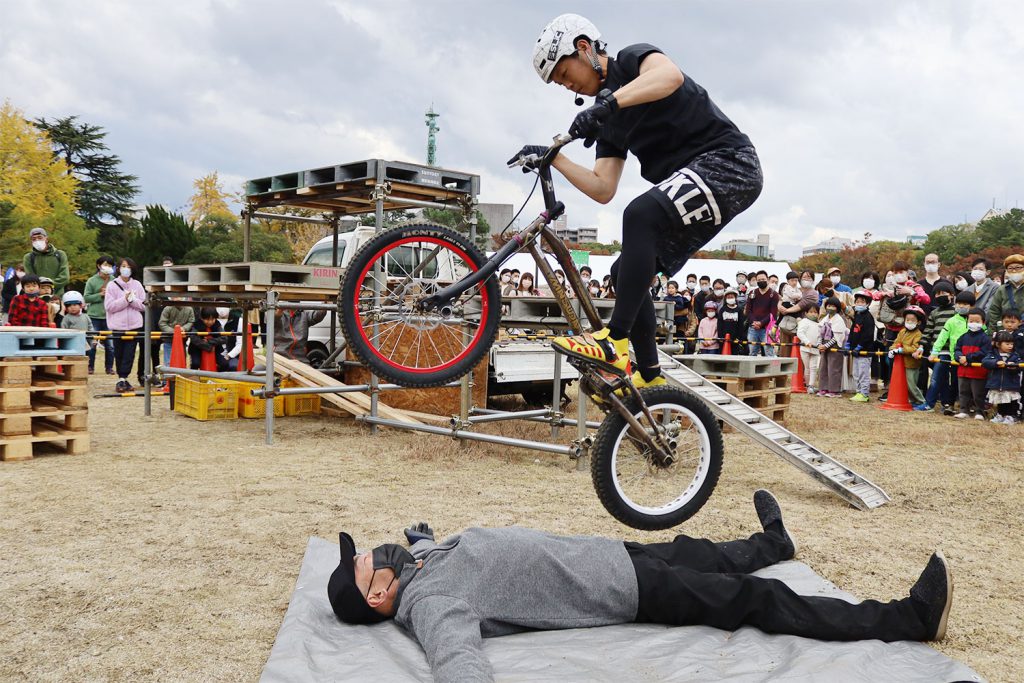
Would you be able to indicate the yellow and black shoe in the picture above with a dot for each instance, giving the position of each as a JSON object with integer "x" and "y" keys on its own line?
{"x": 597, "y": 346}
{"x": 640, "y": 383}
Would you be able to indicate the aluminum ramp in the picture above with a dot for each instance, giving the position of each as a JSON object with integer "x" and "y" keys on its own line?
{"x": 849, "y": 485}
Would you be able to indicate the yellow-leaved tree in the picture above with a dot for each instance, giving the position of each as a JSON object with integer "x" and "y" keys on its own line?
{"x": 209, "y": 200}
{"x": 31, "y": 177}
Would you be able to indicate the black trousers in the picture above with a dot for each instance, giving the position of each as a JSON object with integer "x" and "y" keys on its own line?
{"x": 124, "y": 356}
{"x": 697, "y": 582}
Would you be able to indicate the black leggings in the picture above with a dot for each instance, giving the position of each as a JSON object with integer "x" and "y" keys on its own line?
{"x": 634, "y": 313}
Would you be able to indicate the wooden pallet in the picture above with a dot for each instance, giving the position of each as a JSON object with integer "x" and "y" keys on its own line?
{"x": 44, "y": 432}
{"x": 741, "y": 387}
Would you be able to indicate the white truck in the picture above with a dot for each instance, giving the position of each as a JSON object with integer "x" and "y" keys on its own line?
{"x": 526, "y": 368}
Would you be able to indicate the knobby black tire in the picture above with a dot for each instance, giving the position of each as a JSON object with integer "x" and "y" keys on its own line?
{"x": 602, "y": 452}
{"x": 349, "y": 318}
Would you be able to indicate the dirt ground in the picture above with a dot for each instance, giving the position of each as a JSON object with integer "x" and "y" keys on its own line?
{"x": 170, "y": 551}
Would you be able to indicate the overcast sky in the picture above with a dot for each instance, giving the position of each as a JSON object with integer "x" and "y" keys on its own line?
{"x": 886, "y": 117}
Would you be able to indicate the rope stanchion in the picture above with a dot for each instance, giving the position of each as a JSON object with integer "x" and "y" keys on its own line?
{"x": 131, "y": 394}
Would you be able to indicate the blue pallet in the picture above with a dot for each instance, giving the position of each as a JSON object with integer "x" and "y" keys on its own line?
{"x": 18, "y": 342}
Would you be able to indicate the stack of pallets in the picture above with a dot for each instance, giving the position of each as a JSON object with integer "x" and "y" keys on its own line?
{"x": 43, "y": 393}
{"x": 762, "y": 383}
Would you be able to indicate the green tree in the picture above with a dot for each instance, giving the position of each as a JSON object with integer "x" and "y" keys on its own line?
{"x": 456, "y": 219}
{"x": 161, "y": 233}
{"x": 105, "y": 195}
{"x": 952, "y": 241}
{"x": 1001, "y": 231}
{"x": 219, "y": 240}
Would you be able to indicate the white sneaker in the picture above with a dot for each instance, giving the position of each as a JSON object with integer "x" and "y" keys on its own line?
{"x": 961, "y": 416}
{"x": 979, "y": 416}
{"x": 1009, "y": 420}
{"x": 997, "y": 420}
{"x": 811, "y": 390}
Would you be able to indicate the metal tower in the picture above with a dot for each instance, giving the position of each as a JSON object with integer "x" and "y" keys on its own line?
{"x": 432, "y": 129}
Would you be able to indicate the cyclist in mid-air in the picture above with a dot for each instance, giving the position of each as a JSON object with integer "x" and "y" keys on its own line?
{"x": 704, "y": 170}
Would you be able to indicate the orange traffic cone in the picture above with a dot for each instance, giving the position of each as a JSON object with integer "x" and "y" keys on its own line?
{"x": 177, "y": 359}
{"x": 727, "y": 345}
{"x": 798, "y": 377}
{"x": 250, "y": 352}
{"x": 898, "y": 398}
{"x": 208, "y": 362}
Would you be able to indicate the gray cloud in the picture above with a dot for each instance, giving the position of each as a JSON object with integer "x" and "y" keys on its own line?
{"x": 893, "y": 118}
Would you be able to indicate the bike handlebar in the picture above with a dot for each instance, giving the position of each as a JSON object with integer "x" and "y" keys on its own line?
{"x": 560, "y": 141}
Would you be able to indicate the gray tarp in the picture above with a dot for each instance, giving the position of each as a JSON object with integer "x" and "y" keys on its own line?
{"x": 313, "y": 645}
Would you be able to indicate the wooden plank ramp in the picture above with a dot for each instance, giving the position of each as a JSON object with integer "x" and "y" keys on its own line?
{"x": 354, "y": 403}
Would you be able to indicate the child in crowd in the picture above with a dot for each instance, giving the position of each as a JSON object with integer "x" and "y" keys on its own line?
{"x": 809, "y": 334}
{"x": 74, "y": 317}
{"x": 197, "y": 343}
{"x": 971, "y": 348}
{"x": 1011, "y": 323}
{"x": 681, "y": 304}
{"x": 707, "y": 330}
{"x": 52, "y": 305}
{"x": 862, "y": 342}
{"x": 171, "y": 316}
{"x": 908, "y": 341}
{"x": 942, "y": 353}
{"x": 27, "y": 309}
{"x": 1004, "y": 377}
{"x": 731, "y": 323}
{"x": 833, "y": 336}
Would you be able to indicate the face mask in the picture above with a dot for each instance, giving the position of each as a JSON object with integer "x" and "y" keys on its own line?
{"x": 978, "y": 275}
{"x": 730, "y": 302}
{"x": 19, "y": 274}
{"x": 974, "y": 327}
{"x": 31, "y": 295}
{"x": 107, "y": 270}
{"x": 900, "y": 278}
{"x": 391, "y": 556}
{"x": 762, "y": 284}
{"x": 961, "y": 285}
{"x": 962, "y": 310}
{"x": 860, "y": 308}
{"x": 931, "y": 267}
{"x": 692, "y": 286}
{"x": 1015, "y": 277}
{"x": 705, "y": 288}
{"x": 38, "y": 245}
{"x": 711, "y": 314}
{"x": 594, "y": 291}
{"x": 741, "y": 280}
{"x": 807, "y": 284}
{"x": 831, "y": 311}
{"x": 836, "y": 279}
{"x": 868, "y": 283}
{"x": 910, "y": 326}
{"x": 126, "y": 271}
{"x": 941, "y": 300}
{"x": 505, "y": 278}
{"x": 719, "y": 292}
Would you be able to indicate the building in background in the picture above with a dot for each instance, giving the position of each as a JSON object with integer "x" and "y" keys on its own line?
{"x": 580, "y": 235}
{"x": 917, "y": 240}
{"x": 830, "y": 246}
{"x": 758, "y": 247}
{"x": 496, "y": 215}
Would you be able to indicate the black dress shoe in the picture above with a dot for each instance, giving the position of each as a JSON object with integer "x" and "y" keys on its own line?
{"x": 932, "y": 596}
{"x": 770, "y": 514}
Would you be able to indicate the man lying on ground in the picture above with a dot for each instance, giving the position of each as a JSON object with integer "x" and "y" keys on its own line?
{"x": 492, "y": 582}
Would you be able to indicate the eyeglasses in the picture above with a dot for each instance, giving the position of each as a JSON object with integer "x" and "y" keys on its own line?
{"x": 1015, "y": 268}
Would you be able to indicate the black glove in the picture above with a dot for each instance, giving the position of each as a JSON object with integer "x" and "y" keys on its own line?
{"x": 528, "y": 150}
{"x": 589, "y": 121}
{"x": 418, "y": 532}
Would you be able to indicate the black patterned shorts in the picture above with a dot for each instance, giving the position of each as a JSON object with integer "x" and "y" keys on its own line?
{"x": 702, "y": 198}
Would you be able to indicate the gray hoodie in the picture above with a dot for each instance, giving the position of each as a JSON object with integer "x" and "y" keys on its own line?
{"x": 493, "y": 582}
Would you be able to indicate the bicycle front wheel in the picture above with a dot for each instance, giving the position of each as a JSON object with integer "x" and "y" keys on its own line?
{"x": 638, "y": 490}
{"x": 382, "y": 322}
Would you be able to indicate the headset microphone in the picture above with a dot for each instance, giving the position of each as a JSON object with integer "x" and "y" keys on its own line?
{"x": 579, "y": 101}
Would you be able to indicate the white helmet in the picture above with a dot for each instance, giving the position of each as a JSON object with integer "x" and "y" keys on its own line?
{"x": 558, "y": 39}
{"x": 72, "y": 298}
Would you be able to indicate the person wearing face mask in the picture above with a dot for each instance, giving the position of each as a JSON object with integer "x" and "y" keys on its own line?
{"x": 95, "y": 294}
{"x": 691, "y": 284}
{"x": 707, "y": 330}
{"x": 984, "y": 288}
{"x": 526, "y": 287}
{"x": 945, "y": 346}
{"x": 560, "y": 277}
{"x": 731, "y": 322}
{"x": 930, "y": 279}
{"x": 796, "y": 298}
{"x": 941, "y": 386}
{"x": 45, "y": 260}
{"x": 27, "y": 308}
{"x": 594, "y": 287}
{"x": 835, "y": 276}
{"x": 833, "y": 336}
{"x": 125, "y": 304}
{"x": 1009, "y": 295}
{"x": 907, "y": 343}
{"x": 449, "y": 595}
{"x": 505, "y": 282}
{"x": 962, "y": 281}
{"x": 971, "y": 348}
{"x": 11, "y": 288}
{"x": 762, "y": 303}
{"x": 896, "y": 296}
{"x": 702, "y": 295}
{"x": 860, "y": 342}
{"x": 741, "y": 289}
